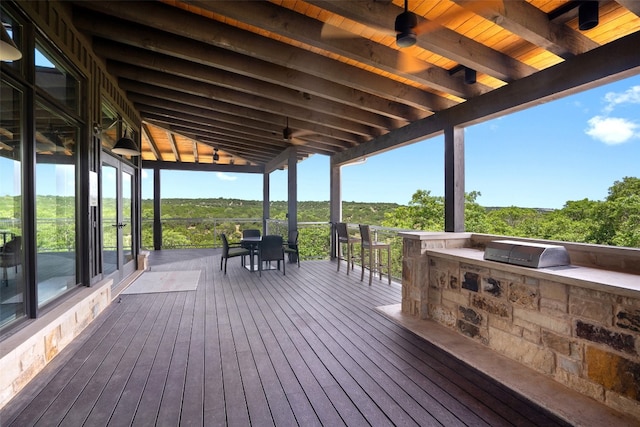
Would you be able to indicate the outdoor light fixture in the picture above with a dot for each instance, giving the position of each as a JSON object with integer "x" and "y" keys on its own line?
{"x": 405, "y": 26}
{"x": 126, "y": 147}
{"x": 8, "y": 49}
{"x": 469, "y": 75}
{"x": 216, "y": 157}
{"x": 588, "y": 15}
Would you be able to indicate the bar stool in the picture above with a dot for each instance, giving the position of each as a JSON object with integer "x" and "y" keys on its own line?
{"x": 373, "y": 249}
{"x": 344, "y": 239}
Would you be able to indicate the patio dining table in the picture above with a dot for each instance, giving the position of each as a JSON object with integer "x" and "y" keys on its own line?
{"x": 253, "y": 243}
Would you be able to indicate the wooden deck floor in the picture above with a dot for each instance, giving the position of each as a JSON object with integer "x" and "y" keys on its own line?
{"x": 307, "y": 349}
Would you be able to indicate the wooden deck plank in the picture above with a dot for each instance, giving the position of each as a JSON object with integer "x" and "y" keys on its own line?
{"x": 508, "y": 412}
{"x": 115, "y": 385}
{"x": 77, "y": 394}
{"x": 306, "y": 348}
{"x": 192, "y": 401}
{"x": 128, "y": 402}
{"x": 149, "y": 404}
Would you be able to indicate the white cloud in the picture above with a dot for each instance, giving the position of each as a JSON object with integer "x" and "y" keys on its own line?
{"x": 630, "y": 96}
{"x": 611, "y": 130}
{"x": 225, "y": 177}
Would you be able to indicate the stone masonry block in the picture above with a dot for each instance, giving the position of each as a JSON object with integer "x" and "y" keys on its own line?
{"x": 554, "y": 291}
{"x": 437, "y": 278}
{"x": 51, "y": 343}
{"x": 457, "y": 297}
{"x": 558, "y": 343}
{"x": 571, "y": 366}
{"x": 615, "y": 340}
{"x": 492, "y": 306}
{"x": 553, "y": 307}
{"x": 443, "y": 316}
{"x": 579, "y": 292}
{"x": 559, "y": 324}
{"x": 614, "y": 372}
{"x": 598, "y": 311}
{"x": 471, "y": 316}
{"x": 469, "y": 329}
{"x": 471, "y": 281}
{"x": 629, "y": 302}
{"x": 524, "y": 296}
{"x": 505, "y": 325}
{"x": 628, "y": 318}
{"x": 435, "y": 296}
{"x": 495, "y": 287}
{"x": 505, "y": 276}
{"x": 516, "y": 348}
{"x": 532, "y": 335}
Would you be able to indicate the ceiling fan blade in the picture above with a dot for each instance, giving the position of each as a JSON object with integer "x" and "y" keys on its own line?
{"x": 408, "y": 63}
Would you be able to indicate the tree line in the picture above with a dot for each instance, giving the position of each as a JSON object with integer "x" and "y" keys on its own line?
{"x": 613, "y": 221}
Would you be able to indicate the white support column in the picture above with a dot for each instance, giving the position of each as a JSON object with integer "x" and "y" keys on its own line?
{"x": 454, "y": 179}
{"x": 292, "y": 169}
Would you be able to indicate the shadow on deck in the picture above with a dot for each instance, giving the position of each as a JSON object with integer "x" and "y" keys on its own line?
{"x": 306, "y": 348}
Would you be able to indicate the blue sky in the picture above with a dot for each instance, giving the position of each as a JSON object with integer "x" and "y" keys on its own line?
{"x": 569, "y": 149}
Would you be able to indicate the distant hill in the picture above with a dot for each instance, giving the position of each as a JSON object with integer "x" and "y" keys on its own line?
{"x": 308, "y": 211}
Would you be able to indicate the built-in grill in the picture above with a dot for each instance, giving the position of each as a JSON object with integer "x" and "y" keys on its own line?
{"x": 526, "y": 254}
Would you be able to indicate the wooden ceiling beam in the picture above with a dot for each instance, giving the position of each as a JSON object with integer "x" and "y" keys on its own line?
{"x": 174, "y": 146}
{"x": 235, "y": 130}
{"x": 238, "y": 147}
{"x": 438, "y": 39}
{"x": 306, "y": 30}
{"x": 188, "y": 98}
{"x": 313, "y": 94}
{"x": 608, "y": 63}
{"x": 146, "y": 132}
{"x": 255, "y": 97}
{"x": 533, "y": 25}
{"x": 264, "y": 137}
{"x": 249, "y": 146}
{"x": 175, "y": 21}
{"x": 165, "y": 107}
{"x": 205, "y": 167}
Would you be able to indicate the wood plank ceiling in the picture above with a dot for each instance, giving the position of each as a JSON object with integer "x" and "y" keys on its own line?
{"x": 230, "y": 76}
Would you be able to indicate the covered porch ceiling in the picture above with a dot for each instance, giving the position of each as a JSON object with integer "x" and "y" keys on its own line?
{"x": 246, "y": 80}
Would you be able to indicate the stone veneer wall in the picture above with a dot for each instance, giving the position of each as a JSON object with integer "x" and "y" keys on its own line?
{"x": 24, "y": 354}
{"x": 587, "y": 338}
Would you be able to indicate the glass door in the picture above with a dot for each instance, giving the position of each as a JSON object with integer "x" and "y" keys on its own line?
{"x": 117, "y": 218}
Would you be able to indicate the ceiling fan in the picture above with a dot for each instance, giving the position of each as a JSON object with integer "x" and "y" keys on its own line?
{"x": 289, "y": 136}
{"x": 405, "y": 27}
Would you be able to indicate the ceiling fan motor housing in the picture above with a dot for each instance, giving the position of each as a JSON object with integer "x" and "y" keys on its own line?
{"x": 286, "y": 134}
{"x": 405, "y": 26}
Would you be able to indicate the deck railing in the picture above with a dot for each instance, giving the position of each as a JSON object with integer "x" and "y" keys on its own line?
{"x": 314, "y": 237}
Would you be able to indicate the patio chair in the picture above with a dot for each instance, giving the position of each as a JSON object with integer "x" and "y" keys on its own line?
{"x": 10, "y": 256}
{"x": 230, "y": 250}
{"x": 371, "y": 254}
{"x": 345, "y": 240}
{"x": 291, "y": 247}
{"x": 271, "y": 249}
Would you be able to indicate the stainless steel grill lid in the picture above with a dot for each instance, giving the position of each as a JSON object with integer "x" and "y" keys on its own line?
{"x": 527, "y": 254}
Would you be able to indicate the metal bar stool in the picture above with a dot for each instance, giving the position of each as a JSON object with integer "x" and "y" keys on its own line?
{"x": 344, "y": 239}
{"x": 373, "y": 250}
